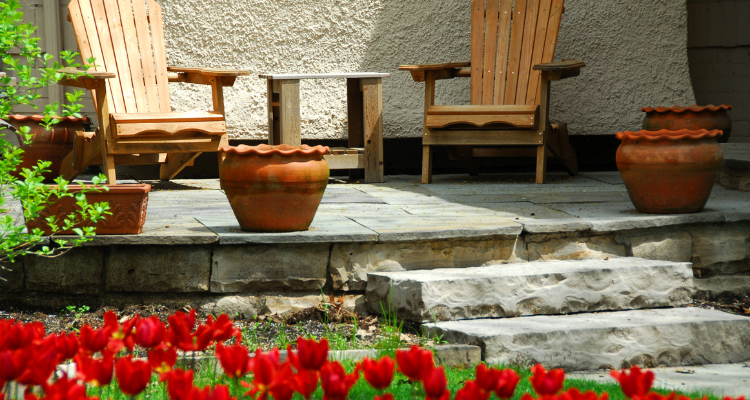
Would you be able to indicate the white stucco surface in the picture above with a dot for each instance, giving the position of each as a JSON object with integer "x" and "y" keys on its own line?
{"x": 635, "y": 51}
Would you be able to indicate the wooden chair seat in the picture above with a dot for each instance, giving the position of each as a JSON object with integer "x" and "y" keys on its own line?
{"x": 130, "y": 125}
{"x": 523, "y": 116}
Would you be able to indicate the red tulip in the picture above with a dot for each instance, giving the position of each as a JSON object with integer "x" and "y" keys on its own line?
{"x": 132, "y": 375}
{"x": 17, "y": 335}
{"x": 310, "y": 355}
{"x": 435, "y": 383}
{"x": 64, "y": 389}
{"x": 222, "y": 329}
{"x": 305, "y": 382}
{"x": 93, "y": 341}
{"x": 636, "y": 383}
{"x": 149, "y": 332}
{"x": 415, "y": 362}
{"x": 220, "y": 392}
{"x": 180, "y": 330}
{"x": 96, "y": 372}
{"x": 472, "y": 391}
{"x": 378, "y": 374}
{"x": 335, "y": 382}
{"x": 13, "y": 363}
{"x": 386, "y": 396}
{"x": 43, "y": 360}
{"x": 270, "y": 377}
{"x": 67, "y": 345}
{"x": 179, "y": 384}
{"x": 546, "y": 383}
{"x": 575, "y": 394}
{"x": 730, "y": 398}
{"x": 162, "y": 361}
{"x": 235, "y": 360}
{"x": 121, "y": 335}
{"x": 502, "y": 382}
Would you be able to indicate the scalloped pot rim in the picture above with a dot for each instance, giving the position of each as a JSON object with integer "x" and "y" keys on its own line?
{"x": 40, "y": 118}
{"x": 666, "y": 134}
{"x": 283, "y": 150}
{"x": 694, "y": 108}
{"x": 122, "y": 188}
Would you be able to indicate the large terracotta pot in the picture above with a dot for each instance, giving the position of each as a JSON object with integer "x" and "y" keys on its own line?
{"x": 52, "y": 145}
{"x": 693, "y": 118}
{"x": 274, "y": 188}
{"x": 127, "y": 203}
{"x": 669, "y": 172}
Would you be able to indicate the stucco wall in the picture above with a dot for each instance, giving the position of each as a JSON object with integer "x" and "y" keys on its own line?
{"x": 635, "y": 50}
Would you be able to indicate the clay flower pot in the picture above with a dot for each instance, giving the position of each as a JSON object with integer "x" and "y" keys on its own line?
{"x": 127, "y": 203}
{"x": 669, "y": 172}
{"x": 693, "y": 118}
{"x": 52, "y": 145}
{"x": 274, "y": 188}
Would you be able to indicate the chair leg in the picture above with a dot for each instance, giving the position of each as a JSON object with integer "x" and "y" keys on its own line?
{"x": 426, "y": 165}
{"x": 220, "y": 154}
{"x": 176, "y": 162}
{"x": 567, "y": 153}
{"x": 541, "y": 164}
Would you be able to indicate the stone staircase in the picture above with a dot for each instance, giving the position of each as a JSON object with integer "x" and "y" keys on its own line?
{"x": 576, "y": 315}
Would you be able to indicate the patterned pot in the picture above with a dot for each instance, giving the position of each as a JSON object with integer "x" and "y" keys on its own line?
{"x": 46, "y": 145}
{"x": 274, "y": 188}
{"x": 127, "y": 203}
{"x": 693, "y": 118}
{"x": 669, "y": 172}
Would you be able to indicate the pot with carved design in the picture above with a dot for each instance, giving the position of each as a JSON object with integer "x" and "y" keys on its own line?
{"x": 47, "y": 145}
{"x": 127, "y": 203}
{"x": 695, "y": 117}
{"x": 274, "y": 188}
{"x": 669, "y": 172}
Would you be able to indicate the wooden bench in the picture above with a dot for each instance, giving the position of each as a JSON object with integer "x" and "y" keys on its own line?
{"x": 364, "y": 95}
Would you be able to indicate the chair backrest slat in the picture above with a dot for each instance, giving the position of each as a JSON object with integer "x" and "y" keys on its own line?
{"x": 126, "y": 38}
{"x": 509, "y": 37}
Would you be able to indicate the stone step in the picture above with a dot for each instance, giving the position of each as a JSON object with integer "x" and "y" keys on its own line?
{"x": 540, "y": 287}
{"x": 648, "y": 338}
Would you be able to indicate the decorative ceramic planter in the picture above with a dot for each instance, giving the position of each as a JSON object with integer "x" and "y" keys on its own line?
{"x": 274, "y": 188}
{"x": 52, "y": 145}
{"x": 693, "y": 118}
{"x": 127, "y": 203}
{"x": 669, "y": 172}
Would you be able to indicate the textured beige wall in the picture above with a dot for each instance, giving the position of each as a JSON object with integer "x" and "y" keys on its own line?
{"x": 635, "y": 51}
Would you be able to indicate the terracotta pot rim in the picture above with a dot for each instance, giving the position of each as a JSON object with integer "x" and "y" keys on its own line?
{"x": 114, "y": 189}
{"x": 666, "y": 134}
{"x": 694, "y": 108}
{"x": 40, "y": 118}
{"x": 283, "y": 150}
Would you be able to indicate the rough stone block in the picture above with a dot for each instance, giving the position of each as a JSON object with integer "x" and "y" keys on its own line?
{"x": 236, "y": 307}
{"x": 76, "y": 272}
{"x": 551, "y": 287}
{"x": 158, "y": 269}
{"x": 575, "y": 248}
{"x": 11, "y": 277}
{"x": 350, "y": 263}
{"x": 668, "y": 246}
{"x": 720, "y": 286}
{"x": 269, "y": 267}
{"x": 285, "y": 304}
{"x": 578, "y": 342}
{"x": 721, "y": 249}
{"x": 458, "y": 354}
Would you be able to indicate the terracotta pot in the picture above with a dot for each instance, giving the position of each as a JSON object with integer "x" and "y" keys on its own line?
{"x": 127, "y": 203}
{"x": 693, "y": 118}
{"x": 274, "y": 188}
{"x": 46, "y": 145}
{"x": 669, "y": 172}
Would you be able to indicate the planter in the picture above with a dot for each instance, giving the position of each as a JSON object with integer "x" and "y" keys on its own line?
{"x": 669, "y": 172}
{"x": 127, "y": 203}
{"x": 274, "y": 188}
{"x": 693, "y": 118}
{"x": 46, "y": 145}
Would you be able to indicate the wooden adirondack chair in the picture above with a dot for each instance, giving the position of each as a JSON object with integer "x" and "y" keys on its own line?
{"x": 512, "y": 47}
{"x": 131, "y": 92}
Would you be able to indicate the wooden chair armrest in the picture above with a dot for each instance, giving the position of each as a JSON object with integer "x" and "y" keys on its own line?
{"x": 85, "y": 79}
{"x": 204, "y": 76}
{"x": 561, "y": 69}
{"x": 441, "y": 71}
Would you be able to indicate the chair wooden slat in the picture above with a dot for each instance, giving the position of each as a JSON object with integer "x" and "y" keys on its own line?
{"x": 477, "y": 50}
{"x": 120, "y": 54}
{"x": 532, "y": 92}
{"x": 134, "y": 58}
{"x": 140, "y": 17}
{"x": 501, "y": 62}
{"x": 160, "y": 54}
{"x": 529, "y": 35}
{"x": 514, "y": 53}
{"x": 490, "y": 51}
{"x": 86, "y": 33}
{"x": 108, "y": 54}
{"x": 79, "y": 27}
{"x": 553, "y": 29}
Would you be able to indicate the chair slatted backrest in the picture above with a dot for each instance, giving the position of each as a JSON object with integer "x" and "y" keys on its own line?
{"x": 509, "y": 37}
{"x": 127, "y": 38}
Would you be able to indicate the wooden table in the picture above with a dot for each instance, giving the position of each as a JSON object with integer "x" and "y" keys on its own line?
{"x": 364, "y": 96}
